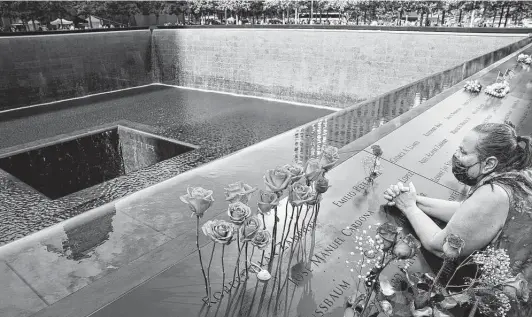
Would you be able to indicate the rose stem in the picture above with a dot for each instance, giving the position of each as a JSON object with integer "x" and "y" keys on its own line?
{"x": 445, "y": 262}
{"x": 201, "y": 261}
{"x": 252, "y": 252}
{"x": 274, "y": 234}
{"x": 239, "y": 250}
{"x": 246, "y": 259}
{"x": 223, "y": 269}
{"x": 209, "y": 270}
{"x": 291, "y": 253}
{"x": 303, "y": 232}
{"x": 283, "y": 243}
{"x": 263, "y": 222}
{"x": 474, "y": 308}
{"x": 289, "y": 226}
{"x": 237, "y": 266}
{"x": 372, "y": 287}
{"x": 284, "y": 224}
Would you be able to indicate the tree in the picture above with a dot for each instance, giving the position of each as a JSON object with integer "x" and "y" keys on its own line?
{"x": 118, "y": 9}
{"x": 256, "y": 8}
{"x": 279, "y": 6}
{"x": 89, "y": 8}
{"x": 178, "y": 8}
{"x": 152, "y": 7}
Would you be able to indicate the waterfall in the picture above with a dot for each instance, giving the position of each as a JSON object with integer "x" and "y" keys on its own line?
{"x": 154, "y": 60}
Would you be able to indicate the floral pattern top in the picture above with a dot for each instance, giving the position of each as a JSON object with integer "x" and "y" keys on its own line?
{"x": 516, "y": 234}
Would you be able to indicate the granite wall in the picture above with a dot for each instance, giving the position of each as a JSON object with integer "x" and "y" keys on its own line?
{"x": 336, "y": 67}
{"x": 44, "y": 68}
{"x": 326, "y": 67}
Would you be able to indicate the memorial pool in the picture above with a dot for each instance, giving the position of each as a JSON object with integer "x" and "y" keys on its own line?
{"x": 76, "y": 155}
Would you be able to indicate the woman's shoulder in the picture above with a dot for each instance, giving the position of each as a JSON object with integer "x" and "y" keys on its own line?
{"x": 491, "y": 192}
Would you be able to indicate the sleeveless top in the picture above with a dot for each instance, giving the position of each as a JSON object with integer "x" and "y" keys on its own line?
{"x": 516, "y": 234}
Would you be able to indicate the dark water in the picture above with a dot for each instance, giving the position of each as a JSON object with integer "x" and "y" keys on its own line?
{"x": 64, "y": 168}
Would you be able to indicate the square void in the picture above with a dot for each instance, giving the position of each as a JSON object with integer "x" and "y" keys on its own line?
{"x": 60, "y": 169}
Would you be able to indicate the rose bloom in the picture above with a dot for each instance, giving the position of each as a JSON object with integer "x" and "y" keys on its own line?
{"x": 313, "y": 169}
{"x": 377, "y": 151}
{"x": 517, "y": 288}
{"x": 238, "y": 212}
{"x": 220, "y": 231}
{"x": 296, "y": 172}
{"x": 329, "y": 157}
{"x": 315, "y": 198}
{"x": 261, "y": 239}
{"x": 277, "y": 179}
{"x": 198, "y": 199}
{"x": 388, "y": 232}
{"x": 321, "y": 185}
{"x": 298, "y": 194}
{"x": 452, "y": 246}
{"x": 386, "y": 307}
{"x": 267, "y": 201}
{"x": 406, "y": 247}
{"x": 238, "y": 192}
{"x": 250, "y": 227}
{"x": 264, "y": 275}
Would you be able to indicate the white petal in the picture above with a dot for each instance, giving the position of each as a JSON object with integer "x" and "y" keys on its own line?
{"x": 386, "y": 287}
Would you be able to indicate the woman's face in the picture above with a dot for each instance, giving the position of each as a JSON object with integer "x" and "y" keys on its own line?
{"x": 467, "y": 154}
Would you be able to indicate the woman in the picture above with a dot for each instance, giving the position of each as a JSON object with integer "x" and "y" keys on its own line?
{"x": 494, "y": 161}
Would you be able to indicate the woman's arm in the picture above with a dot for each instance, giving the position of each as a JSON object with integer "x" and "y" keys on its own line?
{"x": 437, "y": 208}
{"x": 477, "y": 221}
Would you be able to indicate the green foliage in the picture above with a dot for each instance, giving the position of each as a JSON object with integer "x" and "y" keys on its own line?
{"x": 369, "y": 10}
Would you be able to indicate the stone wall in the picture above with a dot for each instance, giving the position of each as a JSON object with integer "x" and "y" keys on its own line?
{"x": 328, "y": 67}
{"x": 39, "y": 69}
{"x": 335, "y": 67}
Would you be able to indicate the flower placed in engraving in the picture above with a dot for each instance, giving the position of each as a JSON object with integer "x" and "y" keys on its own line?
{"x": 525, "y": 59}
{"x": 516, "y": 288}
{"x": 261, "y": 239}
{"x": 377, "y": 151}
{"x": 386, "y": 287}
{"x": 425, "y": 311}
{"x": 329, "y": 157}
{"x": 299, "y": 194}
{"x": 499, "y": 89}
{"x": 198, "y": 199}
{"x": 315, "y": 198}
{"x": 453, "y": 246}
{"x": 264, "y": 275}
{"x": 267, "y": 201}
{"x": 250, "y": 227}
{"x": 387, "y": 308}
{"x": 388, "y": 233}
{"x": 406, "y": 247}
{"x": 220, "y": 231}
{"x": 321, "y": 185}
{"x": 313, "y": 170}
{"x": 277, "y": 179}
{"x": 296, "y": 172}
{"x": 238, "y": 212}
{"x": 238, "y": 192}
{"x": 473, "y": 86}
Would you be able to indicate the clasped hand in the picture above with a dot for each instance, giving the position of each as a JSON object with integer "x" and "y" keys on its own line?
{"x": 400, "y": 196}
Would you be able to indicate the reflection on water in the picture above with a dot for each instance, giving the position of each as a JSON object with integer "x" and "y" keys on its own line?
{"x": 348, "y": 125}
{"x": 79, "y": 240}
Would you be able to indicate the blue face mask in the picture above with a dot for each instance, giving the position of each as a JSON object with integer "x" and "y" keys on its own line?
{"x": 460, "y": 172}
